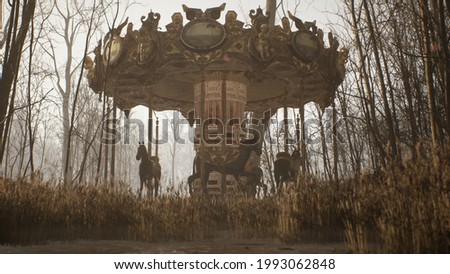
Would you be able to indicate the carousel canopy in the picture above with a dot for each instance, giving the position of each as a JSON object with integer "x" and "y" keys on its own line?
{"x": 161, "y": 69}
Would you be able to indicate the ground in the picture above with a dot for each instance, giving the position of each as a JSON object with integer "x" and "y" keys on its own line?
{"x": 221, "y": 246}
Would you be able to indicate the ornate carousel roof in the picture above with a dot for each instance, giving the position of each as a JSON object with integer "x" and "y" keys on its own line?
{"x": 279, "y": 65}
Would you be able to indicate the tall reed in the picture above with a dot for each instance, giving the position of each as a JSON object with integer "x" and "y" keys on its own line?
{"x": 402, "y": 209}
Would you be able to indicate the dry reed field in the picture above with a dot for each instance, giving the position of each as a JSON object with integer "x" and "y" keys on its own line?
{"x": 403, "y": 209}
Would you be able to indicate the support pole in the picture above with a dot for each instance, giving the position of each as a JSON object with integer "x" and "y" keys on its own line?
{"x": 286, "y": 124}
{"x": 105, "y": 168}
{"x": 150, "y": 135}
{"x": 271, "y": 7}
{"x": 204, "y": 180}
{"x": 303, "y": 137}
{"x": 150, "y": 125}
{"x": 2, "y": 140}
{"x": 1, "y": 16}
{"x": 297, "y": 131}
{"x": 224, "y": 131}
{"x": 105, "y": 164}
{"x": 156, "y": 181}
{"x": 157, "y": 136}
{"x": 113, "y": 146}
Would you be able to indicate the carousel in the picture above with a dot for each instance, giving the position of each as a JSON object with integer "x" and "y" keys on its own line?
{"x": 215, "y": 74}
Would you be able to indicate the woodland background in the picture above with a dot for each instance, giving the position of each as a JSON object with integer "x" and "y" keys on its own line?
{"x": 387, "y": 182}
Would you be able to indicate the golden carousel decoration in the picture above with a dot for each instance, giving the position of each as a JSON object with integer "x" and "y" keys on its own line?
{"x": 212, "y": 72}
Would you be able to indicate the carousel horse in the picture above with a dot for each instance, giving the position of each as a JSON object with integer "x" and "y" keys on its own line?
{"x": 149, "y": 171}
{"x": 235, "y": 167}
{"x": 286, "y": 167}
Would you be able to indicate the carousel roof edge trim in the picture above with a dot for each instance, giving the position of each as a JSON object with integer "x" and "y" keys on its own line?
{"x": 279, "y": 65}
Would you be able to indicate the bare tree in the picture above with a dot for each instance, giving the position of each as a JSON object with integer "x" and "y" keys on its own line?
{"x": 13, "y": 51}
{"x": 69, "y": 21}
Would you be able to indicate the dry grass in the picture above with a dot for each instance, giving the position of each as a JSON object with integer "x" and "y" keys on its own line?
{"x": 32, "y": 212}
{"x": 405, "y": 209}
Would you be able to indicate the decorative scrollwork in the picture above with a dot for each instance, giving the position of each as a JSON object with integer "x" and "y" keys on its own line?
{"x": 258, "y": 75}
{"x": 152, "y": 21}
{"x": 306, "y": 69}
{"x": 219, "y": 157}
{"x": 210, "y": 13}
{"x": 151, "y": 78}
{"x": 115, "y": 31}
{"x": 258, "y": 18}
{"x": 113, "y": 45}
{"x": 203, "y": 59}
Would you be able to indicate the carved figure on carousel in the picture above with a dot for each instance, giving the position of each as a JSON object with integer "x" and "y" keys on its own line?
{"x": 259, "y": 42}
{"x": 90, "y": 67}
{"x": 262, "y": 43}
{"x": 284, "y": 32}
{"x": 233, "y": 26}
{"x": 341, "y": 61}
{"x": 147, "y": 41}
{"x": 174, "y": 28}
{"x": 305, "y": 26}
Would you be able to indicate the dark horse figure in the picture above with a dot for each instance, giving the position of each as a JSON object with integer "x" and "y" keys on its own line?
{"x": 296, "y": 161}
{"x": 286, "y": 167}
{"x": 256, "y": 182}
{"x": 149, "y": 171}
{"x": 235, "y": 168}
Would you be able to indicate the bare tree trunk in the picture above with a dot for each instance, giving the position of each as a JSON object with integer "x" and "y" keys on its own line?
{"x": 387, "y": 110}
{"x": 99, "y": 159}
{"x": 370, "y": 117}
{"x": 323, "y": 138}
{"x": 29, "y": 109}
{"x": 443, "y": 38}
{"x": 429, "y": 74}
{"x": 406, "y": 78}
{"x": 395, "y": 126}
{"x": 12, "y": 60}
{"x": 67, "y": 163}
{"x": 9, "y": 119}
{"x": 22, "y": 151}
{"x": 88, "y": 147}
{"x": 335, "y": 147}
